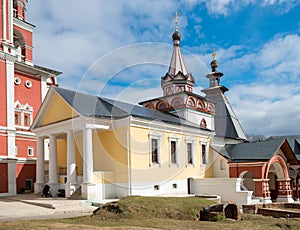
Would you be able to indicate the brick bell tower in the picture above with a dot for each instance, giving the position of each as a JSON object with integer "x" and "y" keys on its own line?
{"x": 22, "y": 89}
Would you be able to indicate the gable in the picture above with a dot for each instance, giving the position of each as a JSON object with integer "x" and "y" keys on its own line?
{"x": 58, "y": 110}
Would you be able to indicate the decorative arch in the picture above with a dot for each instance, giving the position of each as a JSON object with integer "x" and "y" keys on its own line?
{"x": 162, "y": 105}
{"x": 201, "y": 104}
{"x": 247, "y": 180}
{"x": 18, "y": 105}
{"x": 176, "y": 102}
{"x": 149, "y": 105}
{"x": 211, "y": 108}
{"x": 280, "y": 166}
{"x": 203, "y": 123}
{"x": 191, "y": 102}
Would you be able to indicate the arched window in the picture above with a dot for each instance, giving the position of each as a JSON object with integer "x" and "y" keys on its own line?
{"x": 26, "y": 120}
{"x": 16, "y": 119}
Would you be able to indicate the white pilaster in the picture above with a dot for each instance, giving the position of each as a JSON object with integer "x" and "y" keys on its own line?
{"x": 10, "y": 107}
{"x": 12, "y": 186}
{"x": 44, "y": 88}
{"x": 40, "y": 166}
{"x": 4, "y": 21}
{"x": 53, "y": 161}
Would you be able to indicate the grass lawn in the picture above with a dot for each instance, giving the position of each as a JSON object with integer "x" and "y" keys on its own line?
{"x": 154, "y": 213}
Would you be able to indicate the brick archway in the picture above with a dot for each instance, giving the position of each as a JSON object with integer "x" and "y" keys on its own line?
{"x": 278, "y": 177}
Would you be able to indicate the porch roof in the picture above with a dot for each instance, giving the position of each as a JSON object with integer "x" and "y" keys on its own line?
{"x": 258, "y": 151}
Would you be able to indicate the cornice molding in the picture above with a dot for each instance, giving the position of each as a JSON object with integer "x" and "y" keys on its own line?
{"x": 7, "y": 57}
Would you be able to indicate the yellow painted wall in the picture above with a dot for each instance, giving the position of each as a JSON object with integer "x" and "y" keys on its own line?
{"x": 59, "y": 110}
{"x": 140, "y": 155}
{"x": 110, "y": 154}
{"x": 61, "y": 149}
{"x": 78, "y": 151}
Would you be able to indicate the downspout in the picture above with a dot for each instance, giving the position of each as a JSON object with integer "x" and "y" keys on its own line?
{"x": 128, "y": 145}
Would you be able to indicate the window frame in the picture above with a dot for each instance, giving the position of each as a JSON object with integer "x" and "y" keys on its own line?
{"x": 32, "y": 150}
{"x": 174, "y": 140}
{"x": 157, "y": 137}
{"x": 192, "y": 144}
{"x": 205, "y": 157}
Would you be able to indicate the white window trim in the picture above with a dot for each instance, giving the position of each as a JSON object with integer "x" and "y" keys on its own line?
{"x": 156, "y": 136}
{"x": 206, "y": 152}
{"x": 24, "y": 110}
{"x": 190, "y": 141}
{"x": 176, "y": 139}
{"x": 32, "y": 149}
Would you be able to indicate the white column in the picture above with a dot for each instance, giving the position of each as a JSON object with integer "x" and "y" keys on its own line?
{"x": 40, "y": 163}
{"x": 88, "y": 168}
{"x": 53, "y": 161}
{"x": 40, "y": 166}
{"x": 71, "y": 158}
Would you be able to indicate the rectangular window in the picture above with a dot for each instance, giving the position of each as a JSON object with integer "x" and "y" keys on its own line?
{"x": 30, "y": 151}
{"x": 189, "y": 150}
{"x": 173, "y": 152}
{"x": 203, "y": 153}
{"x": 154, "y": 151}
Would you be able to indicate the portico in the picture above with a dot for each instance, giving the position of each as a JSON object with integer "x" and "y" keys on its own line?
{"x": 71, "y": 149}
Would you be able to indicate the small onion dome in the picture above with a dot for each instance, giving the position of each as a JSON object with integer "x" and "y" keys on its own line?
{"x": 214, "y": 65}
{"x": 176, "y": 36}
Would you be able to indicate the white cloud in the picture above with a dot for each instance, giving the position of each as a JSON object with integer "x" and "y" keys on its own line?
{"x": 227, "y": 7}
{"x": 268, "y": 105}
{"x": 79, "y": 38}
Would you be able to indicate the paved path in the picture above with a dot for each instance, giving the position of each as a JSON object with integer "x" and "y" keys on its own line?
{"x": 29, "y": 207}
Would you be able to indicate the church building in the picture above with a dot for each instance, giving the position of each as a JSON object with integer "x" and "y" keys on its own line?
{"x": 23, "y": 87}
{"x": 177, "y": 144}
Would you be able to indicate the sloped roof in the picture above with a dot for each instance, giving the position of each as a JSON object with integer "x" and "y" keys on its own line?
{"x": 94, "y": 106}
{"x": 294, "y": 142}
{"x": 226, "y": 122}
{"x": 257, "y": 151}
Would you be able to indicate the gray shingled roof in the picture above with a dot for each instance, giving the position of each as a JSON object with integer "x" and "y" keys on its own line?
{"x": 94, "y": 106}
{"x": 294, "y": 142}
{"x": 252, "y": 151}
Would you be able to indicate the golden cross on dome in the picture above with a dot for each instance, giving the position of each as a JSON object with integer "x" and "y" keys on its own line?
{"x": 176, "y": 20}
{"x": 214, "y": 54}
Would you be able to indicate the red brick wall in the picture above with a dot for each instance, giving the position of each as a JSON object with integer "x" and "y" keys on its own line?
{"x": 3, "y": 178}
{"x": 23, "y": 172}
{"x": 23, "y": 147}
{"x": 32, "y": 95}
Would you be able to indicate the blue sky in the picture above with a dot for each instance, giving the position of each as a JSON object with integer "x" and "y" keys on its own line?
{"x": 120, "y": 49}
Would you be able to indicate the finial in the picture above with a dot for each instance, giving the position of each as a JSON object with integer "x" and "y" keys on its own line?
{"x": 176, "y": 20}
{"x": 214, "y": 54}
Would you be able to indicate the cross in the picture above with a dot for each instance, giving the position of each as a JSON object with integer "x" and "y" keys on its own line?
{"x": 176, "y": 20}
{"x": 214, "y": 54}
